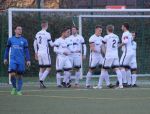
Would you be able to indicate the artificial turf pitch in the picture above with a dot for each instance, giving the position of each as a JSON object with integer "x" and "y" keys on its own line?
{"x": 53, "y": 100}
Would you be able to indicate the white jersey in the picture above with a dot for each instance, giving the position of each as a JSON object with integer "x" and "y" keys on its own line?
{"x": 127, "y": 40}
{"x": 97, "y": 41}
{"x": 70, "y": 46}
{"x": 75, "y": 44}
{"x": 61, "y": 46}
{"x": 42, "y": 41}
{"x": 111, "y": 41}
{"x": 134, "y": 46}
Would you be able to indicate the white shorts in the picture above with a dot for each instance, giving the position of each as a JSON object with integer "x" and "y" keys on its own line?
{"x": 133, "y": 64}
{"x": 63, "y": 63}
{"x": 111, "y": 63}
{"x": 125, "y": 60}
{"x": 44, "y": 60}
{"x": 75, "y": 61}
{"x": 95, "y": 61}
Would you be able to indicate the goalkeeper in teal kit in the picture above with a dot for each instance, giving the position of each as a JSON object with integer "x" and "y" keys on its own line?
{"x": 18, "y": 54}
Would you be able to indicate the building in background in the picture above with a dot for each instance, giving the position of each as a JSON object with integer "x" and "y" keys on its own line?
{"x": 5, "y": 4}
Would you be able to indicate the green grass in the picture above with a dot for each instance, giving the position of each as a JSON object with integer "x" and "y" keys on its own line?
{"x": 75, "y": 101}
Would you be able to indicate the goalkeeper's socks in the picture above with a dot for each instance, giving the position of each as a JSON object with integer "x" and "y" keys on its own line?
{"x": 20, "y": 83}
{"x": 13, "y": 81}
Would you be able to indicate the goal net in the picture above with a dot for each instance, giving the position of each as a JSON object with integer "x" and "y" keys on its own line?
{"x": 85, "y": 20}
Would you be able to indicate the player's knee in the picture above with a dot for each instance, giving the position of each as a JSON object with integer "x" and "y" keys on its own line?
{"x": 133, "y": 71}
{"x": 48, "y": 69}
{"x": 13, "y": 74}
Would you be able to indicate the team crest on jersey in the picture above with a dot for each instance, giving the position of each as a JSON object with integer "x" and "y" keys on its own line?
{"x": 22, "y": 42}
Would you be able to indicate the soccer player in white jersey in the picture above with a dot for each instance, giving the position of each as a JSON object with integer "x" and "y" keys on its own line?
{"x": 134, "y": 61}
{"x": 63, "y": 62}
{"x": 41, "y": 48}
{"x": 111, "y": 59}
{"x": 127, "y": 55}
{"x": 96, "y": 59}
{"x": 75, "y": 43}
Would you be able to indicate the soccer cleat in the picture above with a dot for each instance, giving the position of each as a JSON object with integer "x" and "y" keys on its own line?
{"x": 13, "y": 91}
{"x": 117, "y": 83}
{"x": 134, "y": 85}
{"x": 129, "y": 86}
{"x": 119, "y": 87}
{"x": 88, "y": 86}
{"x": 64, "y": 84}
{"x": 77, "y": 85}
{"x": 59, "y": 86}
{"x": 42, "y": 85}
{"x": 110, "y": 86}
{"x": 70, "y": 81}
{"x": 125, "y": 85}
{"x": 68, "y": 85}
{"x": 19, "y": 93}
{"x": 97, "y": 87}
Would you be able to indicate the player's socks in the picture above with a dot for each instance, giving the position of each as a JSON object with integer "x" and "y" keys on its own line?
{"x": 101, "y": 78}
{"x": 40, "y": 75}
{"x": 88, "y": 78}
{"x": 107, "y": 80}
{"x": 58, "y": 79}
{"x": 20, "y": 83}
{"x": 119, "y": 76}
{"x": 124, "y": 77}
{"x": 134, "y": 76}
{"x": 45, "y": 74}
{"x": 13, "y": 81}
{"x": 128, "y": 72}
{"x": 66, "y": 76}
{"x": 77, "y": 77}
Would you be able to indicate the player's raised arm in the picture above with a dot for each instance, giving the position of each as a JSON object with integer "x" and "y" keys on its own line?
{"x": 6, "y": 54}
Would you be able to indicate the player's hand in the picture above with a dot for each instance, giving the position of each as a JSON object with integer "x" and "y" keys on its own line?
{"x": 78, "y": 51}
{"x": 5, "y": 62}
{"x": 28, "y": 63}
{"x": 36, "y": 56}
{"x": 65, "y": 53}
{"x": 84, "y": 57}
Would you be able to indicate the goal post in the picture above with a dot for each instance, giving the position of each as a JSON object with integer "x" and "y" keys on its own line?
{"x": 80, "y": 14}
{"x": 80, "y": 17}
